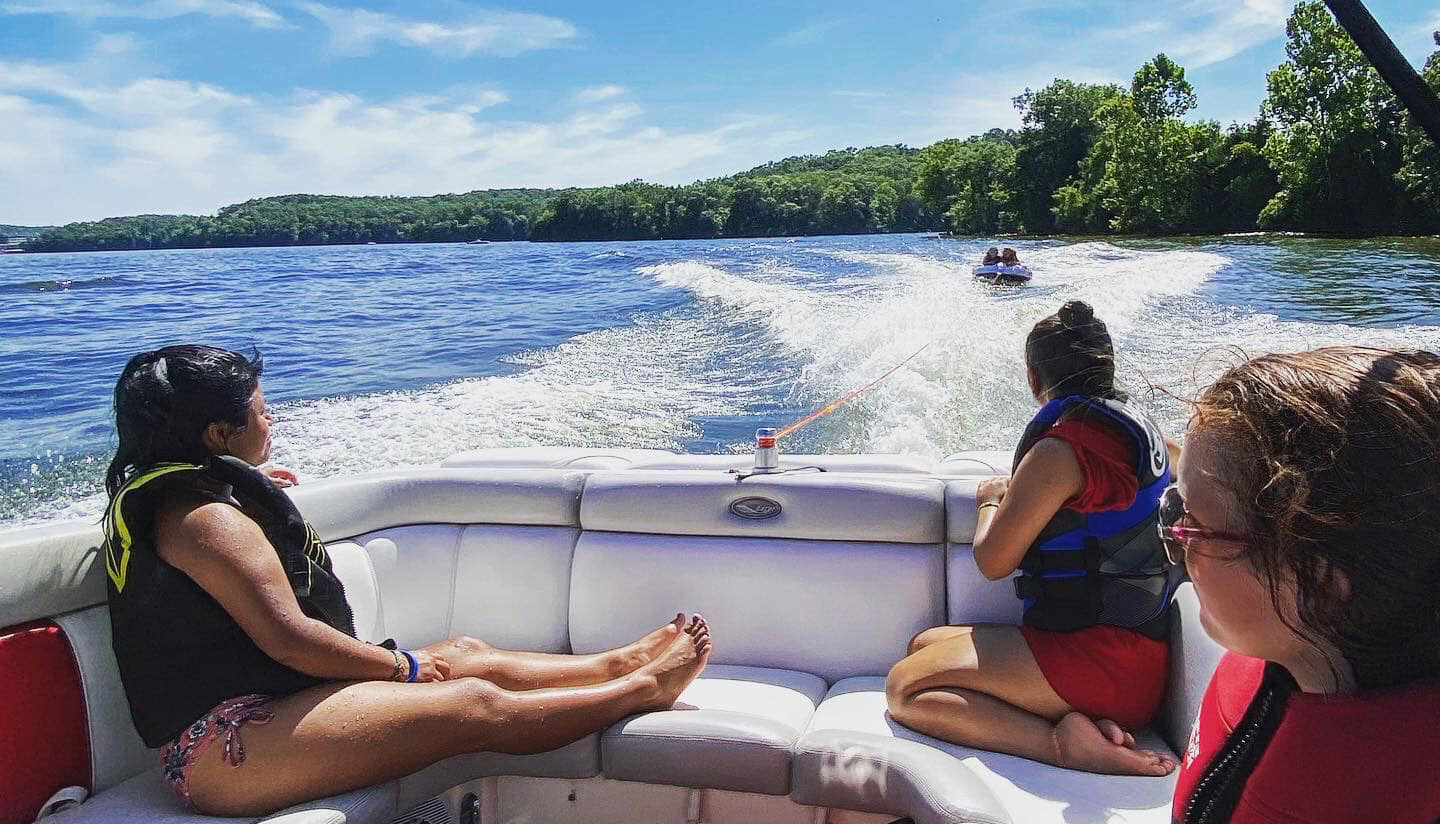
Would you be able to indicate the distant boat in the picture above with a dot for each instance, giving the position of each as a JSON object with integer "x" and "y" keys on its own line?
{"x": 473, "y": 242}
{"x": 371, "y": 243}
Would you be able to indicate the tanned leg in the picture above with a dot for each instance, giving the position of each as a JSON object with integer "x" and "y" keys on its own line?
{"x": 340, "y": 736}
{"x": 980, "y": 687}
{"x": 515, "y": 670}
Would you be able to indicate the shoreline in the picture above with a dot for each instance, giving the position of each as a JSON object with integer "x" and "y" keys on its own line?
{"x": 931, "y": 234}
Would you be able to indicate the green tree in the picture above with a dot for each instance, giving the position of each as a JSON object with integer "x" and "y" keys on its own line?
{"x": 1060, "y": 128}
{"x": 1336, "y": 147}
{"x": 1156, "y": 163}
{"x": 968, "y": 182}
{"x": 843, "y": 210}
{"x": 1419, "y": 174}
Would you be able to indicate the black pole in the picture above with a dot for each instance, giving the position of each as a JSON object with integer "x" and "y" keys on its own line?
{"x": 1396, "y": 71}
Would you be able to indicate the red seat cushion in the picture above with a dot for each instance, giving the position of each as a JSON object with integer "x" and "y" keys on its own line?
{"x": 44, "y": 734}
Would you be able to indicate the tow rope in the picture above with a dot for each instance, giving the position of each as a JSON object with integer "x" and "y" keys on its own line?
{"x": 849, "y": 396}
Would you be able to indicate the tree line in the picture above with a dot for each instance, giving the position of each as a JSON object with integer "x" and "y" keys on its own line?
{"x": 1332, "y": 151}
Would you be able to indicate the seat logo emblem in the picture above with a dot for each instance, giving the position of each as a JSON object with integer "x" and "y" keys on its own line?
{"x": 755, "y": 508}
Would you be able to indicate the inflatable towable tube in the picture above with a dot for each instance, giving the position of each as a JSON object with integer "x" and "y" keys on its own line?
{"x": 1000, "y": 273}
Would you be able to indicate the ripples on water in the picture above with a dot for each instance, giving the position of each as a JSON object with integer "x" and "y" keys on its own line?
{"x": 388, "y": 355}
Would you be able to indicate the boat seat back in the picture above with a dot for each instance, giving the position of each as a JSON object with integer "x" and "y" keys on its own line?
{"x": 1193, "y": 658}
{"x": 484, "y": 553}
{"x": 827, "y": 574}
{"x": 970, "y": 597}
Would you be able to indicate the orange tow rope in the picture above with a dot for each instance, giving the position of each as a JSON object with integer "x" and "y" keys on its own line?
{"x": 844, "y": 399}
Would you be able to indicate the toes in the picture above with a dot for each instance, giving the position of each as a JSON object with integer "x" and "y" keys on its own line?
{"x": 1112, "y": 731}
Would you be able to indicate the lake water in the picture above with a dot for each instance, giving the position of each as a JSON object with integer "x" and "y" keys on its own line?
{"x": 392, "y": 355}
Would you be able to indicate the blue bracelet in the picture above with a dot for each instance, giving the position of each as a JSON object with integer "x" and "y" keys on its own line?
{"x": 414, "y": 667}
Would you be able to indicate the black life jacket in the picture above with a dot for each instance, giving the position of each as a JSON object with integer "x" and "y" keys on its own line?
{"x": 179, "y": 652}
{"x": 1103, "y": 567}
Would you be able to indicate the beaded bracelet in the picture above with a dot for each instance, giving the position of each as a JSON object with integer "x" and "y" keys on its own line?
{"x": 399, "y": 669}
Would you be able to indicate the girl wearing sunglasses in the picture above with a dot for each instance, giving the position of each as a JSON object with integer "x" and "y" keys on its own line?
{"x": 1078, "y": 519}
{"x": 1307, "y": 511}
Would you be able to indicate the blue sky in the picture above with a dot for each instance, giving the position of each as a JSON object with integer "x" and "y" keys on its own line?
{"x": 112, "y": 107}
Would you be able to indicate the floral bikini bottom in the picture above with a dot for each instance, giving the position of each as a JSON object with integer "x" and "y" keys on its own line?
{"x": 180, "y": 755}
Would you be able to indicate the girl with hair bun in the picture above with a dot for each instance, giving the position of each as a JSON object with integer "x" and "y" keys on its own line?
{"x": 1078, "y": 519}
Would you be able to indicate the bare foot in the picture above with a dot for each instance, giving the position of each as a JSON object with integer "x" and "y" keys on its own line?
{"x": 1104, "y": 747}
{"x": 697, "y": 624}
{"x": 633, "y": 656}
{"x": 678, "y": 664}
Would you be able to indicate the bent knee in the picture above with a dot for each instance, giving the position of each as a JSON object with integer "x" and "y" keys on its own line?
{"x": 478, "y": 699}
{"x": 923, "y": 639}
{"x": 899, "y": 686}
{"x": 468, "y": 644}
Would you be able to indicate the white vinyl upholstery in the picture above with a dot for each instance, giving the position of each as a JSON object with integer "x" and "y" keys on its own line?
{"x": 1193, "y": 658}
{"x": 146, "y": 798}
{"x": 345, "y": 507}
{"x": 732, "y": 729}
{"x": 116, "y": 751}
{"x": 896, "y": 764}
{"x": 50, "y": 569}
{"x": 529, "y": 555}
{"x": 971, "y": 598}
{"x": 813, "y": 506}
{"x": 960, "y": 510}
{"x": 362, "y": 588}
{"x": 417, "y": 566}
{"x": 580, "y": 759}
{"x": 977, "y": 463}
{"x": 512, "y": 586}
{"x": 750, "y": 590}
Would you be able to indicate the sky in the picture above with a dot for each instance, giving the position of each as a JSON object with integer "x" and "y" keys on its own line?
{"x": 117, "y": 107}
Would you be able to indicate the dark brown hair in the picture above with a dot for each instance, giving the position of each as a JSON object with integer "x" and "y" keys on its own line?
{"x": 1334, "y": 457}
{"x": 1070, "y": 352}
{"x": 165, "y": 399}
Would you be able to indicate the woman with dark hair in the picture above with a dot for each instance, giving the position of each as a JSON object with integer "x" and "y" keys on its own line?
{"x": 1078, "y": 519}
{"x": 1307, "y": 512}
{"x": 227, "y": 616}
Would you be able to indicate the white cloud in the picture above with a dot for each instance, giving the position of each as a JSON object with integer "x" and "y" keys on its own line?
{"x": 595, "y": 94}
{"x": 253, "y": 12}
{"x": 809, "y": 33}
{"x": 1428, "y": 28}
{"x": 80, "y": 150}
{"x": 1225, "y": 28}
{"x": 500, "y": 33}
{"x": 1195, "y": 32}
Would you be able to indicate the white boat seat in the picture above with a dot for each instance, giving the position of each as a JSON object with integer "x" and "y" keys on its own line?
{"x": 146, "y": 797}
{"x": 977, "y": 462}
{"x": 580, "y": 759}
{"x": 889, "y": 768}
{"x": 732, "y": 729}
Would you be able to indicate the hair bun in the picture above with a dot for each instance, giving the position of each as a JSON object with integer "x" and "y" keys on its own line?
{"x": 1076, "y": 313}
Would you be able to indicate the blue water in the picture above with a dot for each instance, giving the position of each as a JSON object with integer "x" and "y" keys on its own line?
{"x": 386, "y": 355}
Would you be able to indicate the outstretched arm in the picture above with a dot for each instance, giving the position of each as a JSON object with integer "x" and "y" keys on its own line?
{"x": 228, "y": 555}
{"x": 1047, "y": 477}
